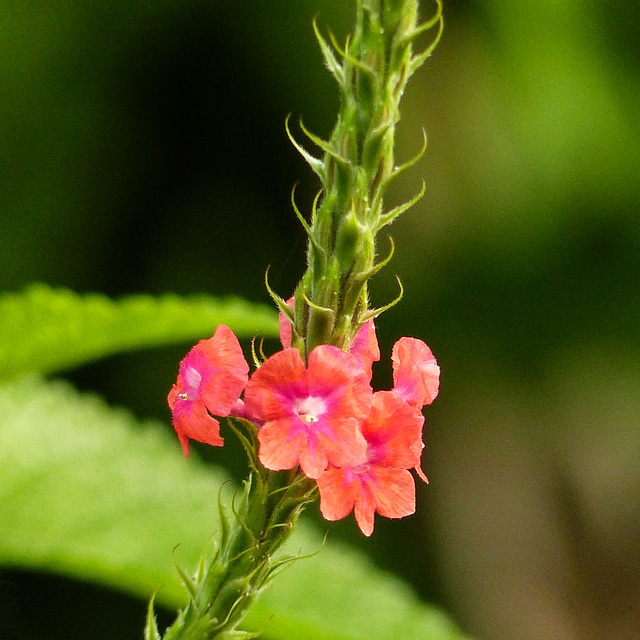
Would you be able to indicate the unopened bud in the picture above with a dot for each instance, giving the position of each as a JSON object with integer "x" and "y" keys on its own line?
{"x": 354, "y": 244}
{"x": 320, "y": 327}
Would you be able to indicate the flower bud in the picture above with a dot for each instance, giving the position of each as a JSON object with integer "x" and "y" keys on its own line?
{"x": 320, "y": 326}
{"x": 355, "y": 248}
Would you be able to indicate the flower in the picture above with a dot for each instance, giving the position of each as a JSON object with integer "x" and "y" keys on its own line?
{"x": 365, "y": 346}
{"x": 211, "y": 378}
{"x": 310, "y": 414}
{"x": 380, "y": 480}
{"x": 416, "y": 374}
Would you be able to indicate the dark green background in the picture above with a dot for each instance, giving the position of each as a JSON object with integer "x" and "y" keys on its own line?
{"x": 142, "y": 148}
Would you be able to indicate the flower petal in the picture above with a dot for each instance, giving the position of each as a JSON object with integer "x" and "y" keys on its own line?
{"x": 338, "y": 494}
{"x": 393, "y": 431}
{"x": 365, "y": 346}
{"x": 338, "y": 377}
{"x": 394, "y": 492}
{"x": 268, "y": 394}
{"x": 191, "y": 420}
{"x": 279, "y": 448}
{"x": 286, "y": 331}
{"x": 416, "y": 374}
{"x": 228, "y": 371}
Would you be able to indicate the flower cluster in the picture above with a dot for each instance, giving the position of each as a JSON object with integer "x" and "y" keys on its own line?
{"x": 321, "y": 416}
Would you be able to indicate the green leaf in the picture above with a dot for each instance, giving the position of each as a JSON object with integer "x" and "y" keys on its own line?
{"x": 46, "y": 330}
{"x": 337, "y": 594}
{"x": 87, "y": 491}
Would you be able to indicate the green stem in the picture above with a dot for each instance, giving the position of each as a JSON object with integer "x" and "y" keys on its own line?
{"x": 243, "y": 565}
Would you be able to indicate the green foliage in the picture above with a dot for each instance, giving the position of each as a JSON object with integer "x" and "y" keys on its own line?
{"x": 47, "y": 330}
{"x": 89, "y": 492}
{"x": 338, "y": 595}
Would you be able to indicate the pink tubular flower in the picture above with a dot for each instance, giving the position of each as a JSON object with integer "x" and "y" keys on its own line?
{"x": 380, "y": 481}
{"x": 416, "y": 374}
{"x": 212, "y": 376}
{"x": 310, "y": 414}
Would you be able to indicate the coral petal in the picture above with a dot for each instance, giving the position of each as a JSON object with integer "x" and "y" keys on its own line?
{"x": 394, "y": 492}
{"x": 278, "y": 450}
{"x": 365, "y": 347}
{"x": 337, "y": 494}
{"x": 286, "y": 331}
{"x": 393, "y": 430}
{"x": 211, "y": 379}
{"x": 416, "y": 374}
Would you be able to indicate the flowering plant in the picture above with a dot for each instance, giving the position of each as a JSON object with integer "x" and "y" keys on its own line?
{"x": 307, "y": 416}
{"x": 108, "y": 494}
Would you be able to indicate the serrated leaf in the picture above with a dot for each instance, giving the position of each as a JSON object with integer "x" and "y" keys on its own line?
{"x": 87, "y": 491}
{"x": 45, "y": 330}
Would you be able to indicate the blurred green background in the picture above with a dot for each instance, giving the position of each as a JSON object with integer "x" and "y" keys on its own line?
{"x": 142, "y": 148}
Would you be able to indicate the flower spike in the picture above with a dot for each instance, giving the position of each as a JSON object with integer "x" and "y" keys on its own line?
{"x": 307, "y": 416}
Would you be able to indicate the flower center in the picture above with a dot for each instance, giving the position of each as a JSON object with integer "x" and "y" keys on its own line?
{"x": 192, "y": 380}
{"x": 309, "y": 409}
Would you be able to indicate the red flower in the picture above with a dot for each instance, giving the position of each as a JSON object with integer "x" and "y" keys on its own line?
{"x": 310, "y": 414}
{"x": 416, "y": 374}
{"x": 380, "y": 481}
{"x": 212, "y": 376}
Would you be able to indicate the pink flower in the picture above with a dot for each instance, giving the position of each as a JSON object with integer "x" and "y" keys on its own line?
{"x": 416, "y": 374}
{"x": 365, "y": 346}
{"x": 310, "y": 414}
{"x": 380, "y": 481}
{"x": 212, "y": 376}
